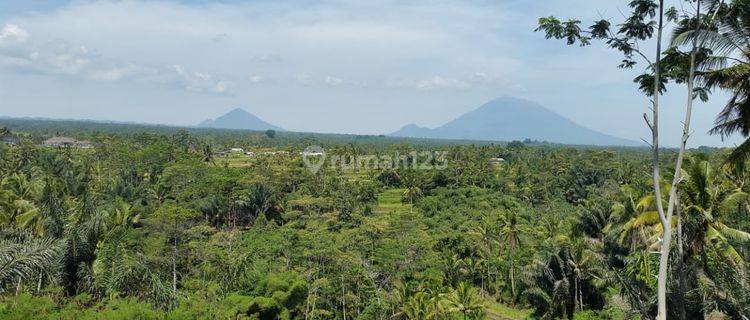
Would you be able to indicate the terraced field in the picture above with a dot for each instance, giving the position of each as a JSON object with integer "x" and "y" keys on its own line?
{"x": 389, "y": 201}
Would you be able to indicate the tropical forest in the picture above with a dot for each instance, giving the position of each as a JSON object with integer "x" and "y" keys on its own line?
{"x": 119, "y": 220}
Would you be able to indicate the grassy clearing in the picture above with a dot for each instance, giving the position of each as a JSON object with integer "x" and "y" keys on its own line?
{"x": 389, "y": 201}
{"x": 496, "y": 311}
{"x": 235, "y": 161}
{"x": 357, "y": 175}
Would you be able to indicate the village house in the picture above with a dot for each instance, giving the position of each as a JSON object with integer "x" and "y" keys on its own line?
{"x": 497, "y": 160}
{"x": 9, "y": 139}
{"x": 312, "y": 153}
{"x": 66, "y": 142}
{"x": 273, "y": 153}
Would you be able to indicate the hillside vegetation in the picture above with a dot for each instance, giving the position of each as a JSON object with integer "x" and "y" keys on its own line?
{"x": 160, "y": 225}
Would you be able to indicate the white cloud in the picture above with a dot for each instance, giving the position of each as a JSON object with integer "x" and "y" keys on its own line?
{"x": 201, "y": 82}
{"x": 333, "y": 81}
{"x": 324, "y": 81}
{"x": 435, "y": 82}
{"x": 60, "y": 57}
{"x": 117, "y": 73}
{"x": 55, "y": 57}
{"x": 355, "y": 42}
{"x": 11, "y": 33}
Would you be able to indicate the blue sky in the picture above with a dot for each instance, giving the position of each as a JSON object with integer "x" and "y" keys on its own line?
{"x": 325, "y": 66}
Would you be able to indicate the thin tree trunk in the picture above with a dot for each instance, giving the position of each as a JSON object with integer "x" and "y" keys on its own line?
{"x": 39, "y": 283}
{"x": 19, "y": 285}
{"x": 678, "y": 212}
{"x": 663, "y": 217}
{"x": 680, "y": 252}
{"x": 580, "y": 297}
{"x": 512, "y": 278}
{"x": 343, "y": 296}
{"x": 312, "y": 309}
{"x": 481, "y": 279}
{"x": 174, "y": 267}
{"x": 576, "y": 306}
{"x": 307, "y": 305}
{"x": 673, "y": 198}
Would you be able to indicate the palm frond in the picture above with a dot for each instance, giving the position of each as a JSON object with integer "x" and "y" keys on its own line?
{"x": 26, "y": 257}
{"x": 740, "y": 154}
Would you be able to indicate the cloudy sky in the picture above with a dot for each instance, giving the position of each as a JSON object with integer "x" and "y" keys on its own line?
{"x": 355, "y": 66}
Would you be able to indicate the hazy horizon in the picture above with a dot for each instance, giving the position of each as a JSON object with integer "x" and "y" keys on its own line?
{"x": 358, "y": 67}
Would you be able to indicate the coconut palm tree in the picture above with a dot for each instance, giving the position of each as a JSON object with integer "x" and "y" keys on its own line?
{"x": 17, "y": 208}
{"x": 585, "y": 266}
{"x": 207, "y": 154}
{"x": 710, "y": 245}
{"x": 487, "y": 239}
{"x": 565, "y": 277}
{"x": 464, "y": 300}
{"x": 420, "y": 306}
{"x": 643, "y": 229}
{"x": 411, "y": 193}
{"x": 510, "y": 231}
{"x": 545, "y": 288}
{"x": 728, "y": 38}
{"x": 705, "y": 199}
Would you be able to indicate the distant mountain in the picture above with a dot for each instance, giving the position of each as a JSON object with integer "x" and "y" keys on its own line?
{"x": 508, "y": 119}
{"x": 238, "y": 119}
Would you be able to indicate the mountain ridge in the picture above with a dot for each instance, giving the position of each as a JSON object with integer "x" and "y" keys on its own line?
{"x": 507, "y": 119}
{"x": 238, "y": 118}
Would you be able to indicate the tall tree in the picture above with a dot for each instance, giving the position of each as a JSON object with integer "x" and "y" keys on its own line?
{"x": 510, "y": 231}
{"x": 727, "y": 36}
{"x": 647, "y": 21}
{"x": 464, "y": 300}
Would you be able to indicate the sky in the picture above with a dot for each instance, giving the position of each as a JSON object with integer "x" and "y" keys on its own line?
{"x": 355, "y": 66}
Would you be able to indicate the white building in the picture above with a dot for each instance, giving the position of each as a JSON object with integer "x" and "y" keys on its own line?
{"x": 497, "y": 160}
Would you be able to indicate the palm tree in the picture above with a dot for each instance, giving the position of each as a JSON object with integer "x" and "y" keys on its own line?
{"x": 710, "y": 244}
{"x": 545, "y": 288}
{"x": 585, "y": 266}
{"x": 412, "y": 193}
{"x": 25, "y": 257}
{"x": 420, "y": 306}
{"x": 565, "y": 277}
{"x": 17, "y": 208}
{"x": 705, "y": 200}
{"x": 207, "y": 154}
{"x": 642, "y": 229}
{"x": 486, "y": 237}
{"x": 729, "y": 69}
{"x": 465, "y": 300}
{"x": 510, "y": 230}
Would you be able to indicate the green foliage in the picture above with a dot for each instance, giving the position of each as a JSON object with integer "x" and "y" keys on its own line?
{"x": 142, "y": 226}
